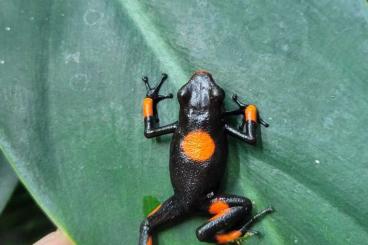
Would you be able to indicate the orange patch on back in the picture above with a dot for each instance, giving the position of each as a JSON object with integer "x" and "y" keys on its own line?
{"x": 147, "y": 107}
{"x": 228, "y": 237}
{"x": 218, "y": 207}
{"x": 154, "y": 211}
{"x": 250, "y": 113}
{"x": 198, "y": 145}
{"x": 149, "y": 241}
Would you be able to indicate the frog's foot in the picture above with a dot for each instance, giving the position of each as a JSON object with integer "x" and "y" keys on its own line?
{"x": 153, "y": 98}
{"x": 153, "y": 92}
{"x": 238, "y": 102}
{"x": 242, "y": 239}
{"x": 255, "y": 218}
{"x": 245, "y": 232}
{"x": 235, "y": 237}
{"x": 242, "y": 110}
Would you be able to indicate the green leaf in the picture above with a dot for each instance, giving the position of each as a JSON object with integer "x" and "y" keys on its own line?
{"x": 71, "y": 124}
{"x": 8, "y": 182}
{"x": 149, "y": 204}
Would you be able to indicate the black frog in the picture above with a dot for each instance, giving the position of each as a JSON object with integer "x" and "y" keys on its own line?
{"x": 198, "y": 157}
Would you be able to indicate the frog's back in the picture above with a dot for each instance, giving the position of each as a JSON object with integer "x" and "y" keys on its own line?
{"x": 199, "y": 145}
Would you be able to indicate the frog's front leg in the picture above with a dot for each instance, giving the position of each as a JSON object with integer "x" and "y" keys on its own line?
{"x": 247, "y": 130}
{"x": 169, "y": 212}
{"x": 151, "y": 120}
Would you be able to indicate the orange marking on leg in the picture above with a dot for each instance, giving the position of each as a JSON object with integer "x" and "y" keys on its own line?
{"x": 149, "y": 241}
{"x": 220, "y": 214}
{"x": 198, "y": 145}
{"x": 218, "y": 207}
{"x": 147, "y": 107}
{"x": 250, "y": 113}
{"x": 154, "y": 211}
{"x": 228, "y": 237}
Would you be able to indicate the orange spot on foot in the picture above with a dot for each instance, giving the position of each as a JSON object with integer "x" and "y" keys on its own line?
{"x": 154, "y": 211}
{"x": 218, "y": 207}
{"x": 251, "y": 113}
{"x": 228, "y": 237}
{"x": 198, "y": 145}
{"x": 149, "y": 241}
{"x": 147, "y": 107}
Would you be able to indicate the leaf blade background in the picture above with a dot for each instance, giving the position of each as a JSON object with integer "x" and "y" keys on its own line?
{"x": 72, "y": 77}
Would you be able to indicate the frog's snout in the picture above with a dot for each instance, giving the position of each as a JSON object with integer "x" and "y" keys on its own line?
{"x": 201, "y": 72}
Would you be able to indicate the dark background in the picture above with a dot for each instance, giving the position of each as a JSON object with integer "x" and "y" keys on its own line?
{"x": 22, "y": 221}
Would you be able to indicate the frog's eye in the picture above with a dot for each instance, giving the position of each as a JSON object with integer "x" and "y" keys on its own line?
{"x": 183, "y": 95}
{"x": 218, "y": 94}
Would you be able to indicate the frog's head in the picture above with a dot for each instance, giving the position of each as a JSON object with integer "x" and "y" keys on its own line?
{"x": 201, "y": 92}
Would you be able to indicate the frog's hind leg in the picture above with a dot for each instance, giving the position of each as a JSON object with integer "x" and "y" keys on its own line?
{"x": 169, "y": 212}
{"x": 231, "y": 220}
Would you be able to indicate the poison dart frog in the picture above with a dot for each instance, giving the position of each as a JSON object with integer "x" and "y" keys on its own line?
{"x": 198, "y": 156}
